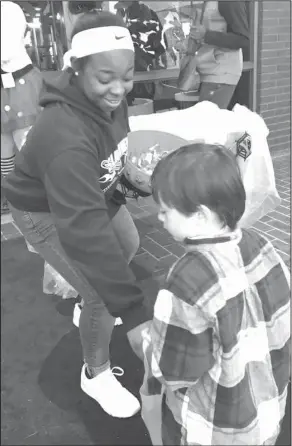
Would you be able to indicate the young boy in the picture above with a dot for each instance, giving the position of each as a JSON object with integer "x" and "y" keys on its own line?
{"x": 219, "y": 346}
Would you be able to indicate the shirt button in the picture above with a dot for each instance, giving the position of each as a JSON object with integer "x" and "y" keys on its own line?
{"x": 22, "y": 81}
{"x": 19, "y": 114}
{"x": 6, "y": 108}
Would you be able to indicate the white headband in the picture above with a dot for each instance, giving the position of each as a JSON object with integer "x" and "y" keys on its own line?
{"x": 98, "y": 40}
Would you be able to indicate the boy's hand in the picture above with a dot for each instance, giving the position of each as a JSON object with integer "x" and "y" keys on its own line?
{"x": 136, "y": 339}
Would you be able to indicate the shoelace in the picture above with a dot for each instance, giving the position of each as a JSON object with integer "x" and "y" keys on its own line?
{"x": 117, "y": 371}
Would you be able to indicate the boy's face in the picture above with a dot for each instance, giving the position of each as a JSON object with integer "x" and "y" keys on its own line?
{"x": 177, "y": 224}
{"x": 202, "y": 223}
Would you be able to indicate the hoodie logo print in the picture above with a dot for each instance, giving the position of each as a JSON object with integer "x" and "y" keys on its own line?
{"x": 114, "y": 165}
{"x": 112, "y": 168}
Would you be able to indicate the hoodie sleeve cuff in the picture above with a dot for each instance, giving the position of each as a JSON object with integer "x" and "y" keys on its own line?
{"x": 135, "y": 316}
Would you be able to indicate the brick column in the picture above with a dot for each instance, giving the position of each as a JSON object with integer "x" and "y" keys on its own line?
{"x": 274, "y": 71}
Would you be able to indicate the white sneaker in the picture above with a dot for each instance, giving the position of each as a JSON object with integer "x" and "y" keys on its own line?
{"x": 77, "y": 313}
{"x": 106, "y": 390}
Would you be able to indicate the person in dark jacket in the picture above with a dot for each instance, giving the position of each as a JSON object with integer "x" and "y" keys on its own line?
{"x": 146, "y": 31}
{"x": 222, "y": 35}
{"x": 64, "y": 198}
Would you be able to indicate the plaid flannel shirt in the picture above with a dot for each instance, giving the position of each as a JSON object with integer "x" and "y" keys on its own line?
{"x": 219, "y": 345}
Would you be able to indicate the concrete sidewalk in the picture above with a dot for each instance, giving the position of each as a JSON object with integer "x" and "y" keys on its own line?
{"x": 158, "y": 250}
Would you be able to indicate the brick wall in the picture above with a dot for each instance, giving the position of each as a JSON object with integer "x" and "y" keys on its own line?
{"x": 274, "y": 71}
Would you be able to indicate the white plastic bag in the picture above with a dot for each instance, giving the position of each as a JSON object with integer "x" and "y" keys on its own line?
{"x": 54, "y": 283}
{"x": 257, "y": 170}
{"x": 151, "y": 404}
{"x": 206, "y": 122}
{"x": 199, "y": 122}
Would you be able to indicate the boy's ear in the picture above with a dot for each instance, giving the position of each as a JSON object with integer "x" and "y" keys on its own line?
{"x": 204, "y": 213}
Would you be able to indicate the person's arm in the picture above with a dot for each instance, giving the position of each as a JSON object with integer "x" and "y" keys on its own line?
{"x": 237, "y": 36}
{"x": 80, "y": 214}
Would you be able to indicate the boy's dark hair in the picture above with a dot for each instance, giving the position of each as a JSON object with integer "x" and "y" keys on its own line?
{"x": 96, "y": 19}
{"x": 201, "y": 174}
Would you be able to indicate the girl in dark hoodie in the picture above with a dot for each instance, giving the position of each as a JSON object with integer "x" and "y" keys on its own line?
{"x": 63, "y": 196}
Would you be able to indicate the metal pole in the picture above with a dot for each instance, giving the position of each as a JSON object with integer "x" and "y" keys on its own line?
{"x": 255, "y": 55}
{"x": 36, "y": 48}
{"x": 55, "y": 36}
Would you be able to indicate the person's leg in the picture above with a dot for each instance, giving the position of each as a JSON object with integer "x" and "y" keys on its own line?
{"x": 7, "y": 153}
{"x": 128, "y": 237}
{"x": 7, "y": 163}
{"x": 96, "y": 324}
{"x": 242, "y": 91}
{"x": 219, "y": 94}
{"x": 40, "y": 232}
{"x": 19, "y": 137}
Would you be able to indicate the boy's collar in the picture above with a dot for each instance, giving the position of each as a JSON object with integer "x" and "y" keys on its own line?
{"x": 220, "y": 238}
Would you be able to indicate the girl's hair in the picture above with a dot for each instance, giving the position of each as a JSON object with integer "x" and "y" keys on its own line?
{"x": 201, "y": 174}
{"x": 96, "y": 19}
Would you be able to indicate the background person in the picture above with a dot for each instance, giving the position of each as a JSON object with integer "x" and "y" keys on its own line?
{"x": 146, "y": 31}
{"x": 21, "y": 84}
{"x": 242, "y": 91}
{"x": 222, "y": 35}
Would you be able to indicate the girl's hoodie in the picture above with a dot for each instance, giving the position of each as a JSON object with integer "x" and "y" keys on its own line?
{"x": 70, "y": 166}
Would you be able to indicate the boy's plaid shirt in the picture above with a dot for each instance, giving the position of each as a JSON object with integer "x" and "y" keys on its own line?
{"x": 220, "y": 344}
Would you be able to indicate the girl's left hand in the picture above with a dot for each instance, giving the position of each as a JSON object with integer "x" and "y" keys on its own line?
{"x": 197, "y": 32}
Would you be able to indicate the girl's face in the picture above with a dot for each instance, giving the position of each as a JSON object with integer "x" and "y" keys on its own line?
{"x": 106, "y": 78}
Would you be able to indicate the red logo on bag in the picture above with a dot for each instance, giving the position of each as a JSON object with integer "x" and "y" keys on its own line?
{"x": 243, "y": 146}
